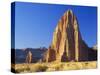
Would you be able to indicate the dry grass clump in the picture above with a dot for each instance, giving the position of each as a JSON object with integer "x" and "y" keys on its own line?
{"x": 38, "y": 67}
{"x": 30, "y": 68}
{"x": 22, "y": 68}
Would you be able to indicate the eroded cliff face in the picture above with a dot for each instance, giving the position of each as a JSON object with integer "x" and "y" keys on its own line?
{"x": 67, "y": 43}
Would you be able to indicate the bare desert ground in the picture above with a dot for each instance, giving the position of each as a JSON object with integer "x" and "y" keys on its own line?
{"x": 54, "y": 66}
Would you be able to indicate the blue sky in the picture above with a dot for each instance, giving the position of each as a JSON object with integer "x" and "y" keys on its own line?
{"x": 35, "y": 23}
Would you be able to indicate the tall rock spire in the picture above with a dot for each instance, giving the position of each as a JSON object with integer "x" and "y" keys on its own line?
{"x": 67, "y": 43}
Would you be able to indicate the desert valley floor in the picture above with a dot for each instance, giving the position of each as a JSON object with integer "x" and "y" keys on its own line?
{"x": 54, "y": 66}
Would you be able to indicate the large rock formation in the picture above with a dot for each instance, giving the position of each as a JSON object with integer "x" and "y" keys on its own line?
{"x": 67, "y": 43}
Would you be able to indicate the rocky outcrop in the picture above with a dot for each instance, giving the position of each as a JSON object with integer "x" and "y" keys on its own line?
{"x": 67, "y": 43}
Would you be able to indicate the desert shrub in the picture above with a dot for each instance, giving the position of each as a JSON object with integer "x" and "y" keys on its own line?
{"x": 22, "y": 69}
{"x": 38, "y": 68}
{"x": 41, "y": 68}
{"x": 58, "y": 67}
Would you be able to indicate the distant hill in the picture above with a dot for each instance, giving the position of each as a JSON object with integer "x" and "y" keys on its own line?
{"x": 94, "y": 47}
{"x": 37, "y": 54}
{"x": 92, "y": 53}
